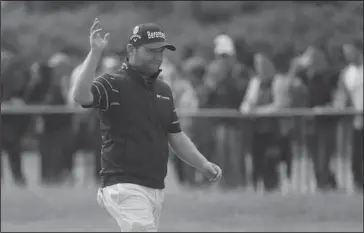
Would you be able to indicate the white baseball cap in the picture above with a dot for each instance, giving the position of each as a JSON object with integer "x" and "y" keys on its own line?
{"x": 224, "y": 45}
{"x": 110, "y": 62}
{"x": 58, "y": 59}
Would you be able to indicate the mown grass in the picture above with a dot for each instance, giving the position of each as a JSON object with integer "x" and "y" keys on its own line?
{"x": 75, "y": 209}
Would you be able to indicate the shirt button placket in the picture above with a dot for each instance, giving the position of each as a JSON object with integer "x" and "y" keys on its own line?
{"x": 150, "y": 103}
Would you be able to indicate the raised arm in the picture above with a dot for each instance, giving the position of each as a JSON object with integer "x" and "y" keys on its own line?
{"x": 81, "y": 90}
{"x": 251, "y": 95}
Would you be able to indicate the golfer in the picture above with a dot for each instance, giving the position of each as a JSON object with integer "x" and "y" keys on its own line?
{"x": 137, "y": 121}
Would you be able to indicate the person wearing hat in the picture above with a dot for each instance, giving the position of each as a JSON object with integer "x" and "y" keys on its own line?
{"x": 58, "y": 133}
{"x": 224, "y": 85}
{"x": 138, "y": 121}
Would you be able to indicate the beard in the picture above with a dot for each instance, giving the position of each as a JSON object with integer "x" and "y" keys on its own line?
{"x": 151, "y": 68}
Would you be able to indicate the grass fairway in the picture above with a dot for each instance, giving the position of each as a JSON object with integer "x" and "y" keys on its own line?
{"x": 75, "y": 208}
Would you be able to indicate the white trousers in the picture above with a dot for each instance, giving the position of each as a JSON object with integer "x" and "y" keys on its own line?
{"x": 136, "y": 208}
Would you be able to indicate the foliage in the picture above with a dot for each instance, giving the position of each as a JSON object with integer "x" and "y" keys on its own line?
{"x": 280, "y": 29}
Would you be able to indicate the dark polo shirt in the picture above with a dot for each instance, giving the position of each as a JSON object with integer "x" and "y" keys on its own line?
{"x": 136, "y": 116}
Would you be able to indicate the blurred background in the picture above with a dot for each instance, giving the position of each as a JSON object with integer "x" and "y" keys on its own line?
{"x": 270, "y": 91}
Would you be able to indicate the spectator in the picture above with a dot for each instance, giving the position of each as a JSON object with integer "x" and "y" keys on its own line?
{"x": 351, "y": 90}
{"x": 289, "y": 92}
{"x": 39, "y": 84}
{"x": 183, "y": 91}
{"x": 187, "y": 51}
{"x": 266, "y": 151}
{"x": 192, "y": 70}
{"x": 225, "y": 82}
{"x": 57, "y": 136}
{"x": 62, "y": 67}
{"x": 321, "y": 83}
{"x": 13, "y": 127}
{"x": 185, "y": 100}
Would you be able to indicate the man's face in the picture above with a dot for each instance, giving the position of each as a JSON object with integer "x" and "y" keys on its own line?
{"x": 149, "y": 60}
{"x": 228, "y": 59}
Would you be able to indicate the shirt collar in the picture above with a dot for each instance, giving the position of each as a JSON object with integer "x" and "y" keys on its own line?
{"x": 137, "y": 75}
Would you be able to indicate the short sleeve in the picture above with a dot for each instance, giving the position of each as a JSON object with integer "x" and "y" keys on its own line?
{"x": 174, "y": 126}
{"x": 101, "y": 91}
{"x": 251, "y": 94}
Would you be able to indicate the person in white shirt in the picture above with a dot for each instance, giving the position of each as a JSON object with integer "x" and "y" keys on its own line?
{"x": 350, "y": 90}
{"x": 266, "y": 149}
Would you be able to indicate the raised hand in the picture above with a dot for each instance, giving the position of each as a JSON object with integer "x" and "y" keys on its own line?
{"x": 98, "y": 43}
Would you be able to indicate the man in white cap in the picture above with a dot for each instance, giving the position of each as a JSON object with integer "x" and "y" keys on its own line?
{"x": 224, "y": 85}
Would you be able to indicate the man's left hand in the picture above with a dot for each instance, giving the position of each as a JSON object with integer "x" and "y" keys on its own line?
{"x": 212, "y": 172}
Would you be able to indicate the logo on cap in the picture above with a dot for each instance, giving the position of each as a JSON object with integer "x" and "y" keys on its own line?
{"x": 136, "y": 30}
{"x": 135, "y": 35}
{"x": 152, "y": 35}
